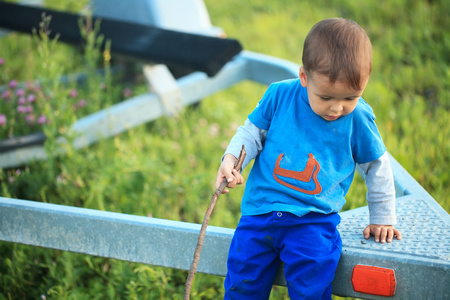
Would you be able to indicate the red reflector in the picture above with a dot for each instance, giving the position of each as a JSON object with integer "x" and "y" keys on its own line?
{"x": 373, "y": 280}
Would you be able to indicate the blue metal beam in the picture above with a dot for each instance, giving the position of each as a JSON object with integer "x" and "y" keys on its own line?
{"x": 126, "y": 237}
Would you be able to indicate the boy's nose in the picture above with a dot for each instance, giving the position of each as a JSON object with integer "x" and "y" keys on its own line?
{"x": 336, "y": 107}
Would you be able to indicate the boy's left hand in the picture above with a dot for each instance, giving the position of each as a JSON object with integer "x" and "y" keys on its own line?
{"x": 382, "y": 233}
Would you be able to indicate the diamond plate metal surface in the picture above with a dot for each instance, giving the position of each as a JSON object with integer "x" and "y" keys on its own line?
{"x": 425, "y": 232}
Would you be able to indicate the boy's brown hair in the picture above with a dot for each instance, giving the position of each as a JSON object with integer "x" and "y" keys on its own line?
{"x": 340, "y": 49}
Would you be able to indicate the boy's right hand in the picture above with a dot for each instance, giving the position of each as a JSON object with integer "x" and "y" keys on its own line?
{"x": 227, "y": 171}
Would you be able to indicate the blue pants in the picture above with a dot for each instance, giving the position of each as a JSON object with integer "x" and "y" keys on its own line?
{"x": 309, "y": 246}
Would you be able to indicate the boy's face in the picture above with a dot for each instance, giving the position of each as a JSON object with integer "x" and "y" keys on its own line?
{"x": 330, "y": 101}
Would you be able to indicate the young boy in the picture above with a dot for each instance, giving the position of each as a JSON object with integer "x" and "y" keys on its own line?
{"x": 306, "y": 136}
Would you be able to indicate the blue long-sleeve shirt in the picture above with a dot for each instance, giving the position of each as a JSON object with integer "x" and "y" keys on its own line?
{"x": 308, "y": 163}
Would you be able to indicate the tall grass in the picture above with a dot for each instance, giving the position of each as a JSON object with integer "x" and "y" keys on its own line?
{"x": 166, "y": 169}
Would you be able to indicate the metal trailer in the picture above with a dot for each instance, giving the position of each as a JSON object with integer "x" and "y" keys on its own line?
{"x": 416, "y": 267}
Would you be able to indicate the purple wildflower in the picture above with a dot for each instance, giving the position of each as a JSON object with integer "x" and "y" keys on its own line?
{"x": 21, "y": 101}
{"x": 29, "y": 85}
{"x": 29, "y": 109}
{"x": 31, "y": 98}
{"x": 73, "y": 93}
{"x": 82, "y": 103}
{"x": 21, "y": 109}
{"x": 2, "y": 61}
{"x": 127, "y": 93}
{"x": 20, "y": 93}
{"x": 13, "y": 84}
{"x": 42, "y": 119}
{"x": 30, "y": 119}
{"x": 2, "y": 120}
{"x": 6, "y": 95}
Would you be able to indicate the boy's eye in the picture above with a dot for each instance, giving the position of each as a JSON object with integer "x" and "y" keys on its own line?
{"x": 325, "y": 98}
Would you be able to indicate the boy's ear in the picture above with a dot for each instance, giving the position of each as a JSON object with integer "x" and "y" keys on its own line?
{"x": 302, "y": 76}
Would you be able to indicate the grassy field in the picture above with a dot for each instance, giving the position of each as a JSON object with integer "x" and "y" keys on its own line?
{"x": 167, "y": 169}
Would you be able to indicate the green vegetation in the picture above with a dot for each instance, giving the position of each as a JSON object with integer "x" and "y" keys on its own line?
{"x": 167, "y": 169}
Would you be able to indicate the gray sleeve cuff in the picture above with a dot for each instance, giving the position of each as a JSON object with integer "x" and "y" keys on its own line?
{"x": 380, "y": 191}
{"x": 251, "y": 137}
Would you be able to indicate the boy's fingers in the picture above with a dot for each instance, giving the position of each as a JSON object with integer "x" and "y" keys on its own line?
{"x": 390, "y": 236}
{"x": 377, "y": 234}
{"x": 383, "y": 235}
{"x": 217, "y": 183}
{"x": 219, "y": 180}
{"x": 231, "y": 184}
{"x": 221, "y": 175}
{"x": 398, "y": 234}
{"x": 366, "y": 232}
{"x": 238, "y": 177}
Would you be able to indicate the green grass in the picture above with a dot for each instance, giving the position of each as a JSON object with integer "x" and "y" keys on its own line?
{"x": 167, "y": 168}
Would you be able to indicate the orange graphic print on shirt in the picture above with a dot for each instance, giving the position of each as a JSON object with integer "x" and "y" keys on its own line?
{"x": 311, "y": 170}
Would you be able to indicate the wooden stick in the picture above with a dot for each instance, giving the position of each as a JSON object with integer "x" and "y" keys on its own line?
{"x": 201, "y": 237}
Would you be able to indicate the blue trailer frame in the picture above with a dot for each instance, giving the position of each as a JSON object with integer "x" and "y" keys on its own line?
{"x": 419, "y": 264}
